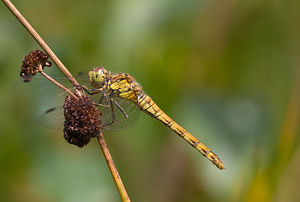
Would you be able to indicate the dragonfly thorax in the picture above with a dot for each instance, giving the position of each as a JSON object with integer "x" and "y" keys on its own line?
{"x": 97, "y": 77}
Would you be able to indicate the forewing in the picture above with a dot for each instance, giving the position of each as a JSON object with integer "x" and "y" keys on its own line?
{"x": 41, "y": 91}
{"x": 53, "y": 118}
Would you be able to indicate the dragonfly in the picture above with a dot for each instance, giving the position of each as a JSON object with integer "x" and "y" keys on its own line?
{"x": 120, "y": 98}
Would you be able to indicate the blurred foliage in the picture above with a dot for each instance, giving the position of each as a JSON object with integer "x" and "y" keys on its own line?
{"x": 228, "y": 71}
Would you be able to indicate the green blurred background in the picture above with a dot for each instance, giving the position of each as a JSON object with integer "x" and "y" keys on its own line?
{"x": 227, "y": 71}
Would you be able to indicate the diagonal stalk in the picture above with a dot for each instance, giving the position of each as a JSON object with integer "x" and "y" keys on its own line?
{"x": 64, "y": 70}
{"x": 56, "y": 83}
{"x": 112, "y": 168}
{"x": 41, "y": 42}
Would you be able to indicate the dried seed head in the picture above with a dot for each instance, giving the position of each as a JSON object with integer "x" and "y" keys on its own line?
{"x": 31, "y": 63}
{"x": 82, "y": 120}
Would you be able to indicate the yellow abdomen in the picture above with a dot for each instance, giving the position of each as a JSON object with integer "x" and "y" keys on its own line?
{"x": 124, "y": 86}
{"x": 146, "y": 104}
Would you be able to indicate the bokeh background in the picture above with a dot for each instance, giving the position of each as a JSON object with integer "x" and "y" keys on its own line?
{"x": 227, "y": 71}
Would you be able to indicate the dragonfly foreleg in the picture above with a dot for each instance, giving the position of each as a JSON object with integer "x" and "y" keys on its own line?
{"x": 90, "y": 91}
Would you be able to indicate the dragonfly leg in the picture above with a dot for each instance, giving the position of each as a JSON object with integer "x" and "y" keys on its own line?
{"x": 104, "y": 95}
{"x": 90, "y": 91}
{"x": 107, "y": 105}
{"x": 106, "y": 102}
{"x": 122, "y": 110}
{"x": 114, "y": 121}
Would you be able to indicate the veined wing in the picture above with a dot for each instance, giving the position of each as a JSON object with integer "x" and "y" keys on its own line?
{"x": 54, "y": 117}
{"x": 41, "y": 91}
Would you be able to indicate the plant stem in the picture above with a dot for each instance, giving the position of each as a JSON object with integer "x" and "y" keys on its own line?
{"x": 112, "y": 168}
{"x": 64, "y": 70}
{"x": 41, "y": 42}
{"x": 58, "y": 84}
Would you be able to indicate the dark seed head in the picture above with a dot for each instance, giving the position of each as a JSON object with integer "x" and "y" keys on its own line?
{"x": 82, "y": 120}
{"x": 31, "y": 63}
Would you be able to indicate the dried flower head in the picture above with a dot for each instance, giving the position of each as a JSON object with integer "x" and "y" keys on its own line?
{"x": 31, "y": 63}
{"x": 82, "y": 120}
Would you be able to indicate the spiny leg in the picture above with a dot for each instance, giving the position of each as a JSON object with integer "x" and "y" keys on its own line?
{"x": 104, "y": 95}
{"x": 92, "y": 91}
{"x": 114, "y": 121}
{"x": 109, "y": 104}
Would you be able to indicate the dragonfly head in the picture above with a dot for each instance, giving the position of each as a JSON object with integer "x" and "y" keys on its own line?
{"x": 97, "y": 76}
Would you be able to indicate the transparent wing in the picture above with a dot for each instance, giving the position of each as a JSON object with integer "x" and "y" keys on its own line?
{"x": 53, "y": 118}
{"x": 42, "y": 91}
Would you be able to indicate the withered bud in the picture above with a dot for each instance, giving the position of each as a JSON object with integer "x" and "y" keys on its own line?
{"x": 82, "y": 120}
{"x": 31, "y": 63}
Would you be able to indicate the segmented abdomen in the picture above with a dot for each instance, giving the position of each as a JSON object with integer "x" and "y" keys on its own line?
{"x": 147, "y": 105}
